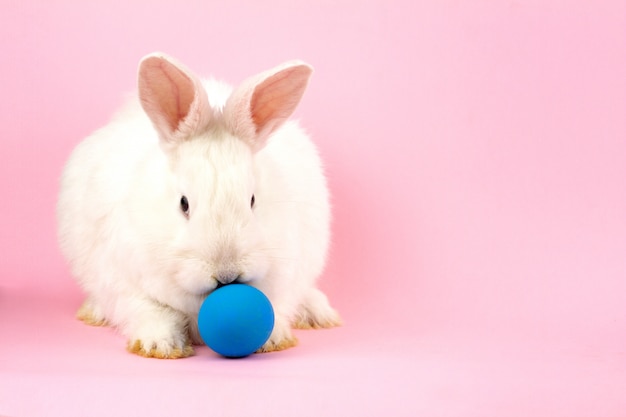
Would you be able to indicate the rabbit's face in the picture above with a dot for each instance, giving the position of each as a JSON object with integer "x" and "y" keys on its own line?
{"x": 219, "y": 240}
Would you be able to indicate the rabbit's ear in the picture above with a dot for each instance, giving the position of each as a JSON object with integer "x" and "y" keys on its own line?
{"x": 262, "y": 103}
{"x": 173, "y": 98}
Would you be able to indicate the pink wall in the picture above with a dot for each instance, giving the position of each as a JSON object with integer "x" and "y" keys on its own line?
{"x": 476, "y": 150}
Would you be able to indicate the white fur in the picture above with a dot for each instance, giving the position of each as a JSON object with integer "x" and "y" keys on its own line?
{"x": 145, "y": 267}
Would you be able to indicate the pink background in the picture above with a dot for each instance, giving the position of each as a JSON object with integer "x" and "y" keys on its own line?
{"x": 476, "y": 152}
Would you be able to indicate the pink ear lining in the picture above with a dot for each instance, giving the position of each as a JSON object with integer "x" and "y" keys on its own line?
{"x": 168, "y": 95}
{"x": 275, "y": 98}
{"x": 180, "y": 95}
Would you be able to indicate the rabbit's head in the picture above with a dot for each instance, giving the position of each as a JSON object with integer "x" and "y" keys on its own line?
{"x": 207, "y": 199}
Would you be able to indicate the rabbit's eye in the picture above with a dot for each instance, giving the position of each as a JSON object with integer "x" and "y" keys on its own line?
{"x": 252, "y": 202}
{"x": 184, "y": 205}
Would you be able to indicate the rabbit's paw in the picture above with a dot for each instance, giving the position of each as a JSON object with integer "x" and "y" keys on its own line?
{"x": 280, "y": 339}
{"x": 161, "y": 348}
{"x": 276, "y": 345}
{"x": 316, "y": 313}
{"x": 158, "y": 332}
{"x": 90, "y": 314}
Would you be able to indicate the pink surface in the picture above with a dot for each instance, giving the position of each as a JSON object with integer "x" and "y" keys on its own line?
{"x": 477, "y": 157}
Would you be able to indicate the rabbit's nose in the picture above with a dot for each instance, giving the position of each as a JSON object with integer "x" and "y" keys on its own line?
{"x": 226, "y": 277}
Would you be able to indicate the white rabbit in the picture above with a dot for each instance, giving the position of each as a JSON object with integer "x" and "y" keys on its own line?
{"x": 213, "y": 186}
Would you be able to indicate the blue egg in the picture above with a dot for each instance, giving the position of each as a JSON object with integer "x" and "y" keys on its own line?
{"x": 236, "y": 320}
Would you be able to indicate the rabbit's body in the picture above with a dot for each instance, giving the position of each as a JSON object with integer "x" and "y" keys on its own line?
{"x": 144, "y": 261}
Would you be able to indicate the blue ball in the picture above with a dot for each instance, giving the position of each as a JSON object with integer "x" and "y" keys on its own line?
{"x": 236, "y": 320}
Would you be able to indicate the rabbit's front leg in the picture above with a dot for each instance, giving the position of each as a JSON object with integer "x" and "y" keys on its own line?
{"x": 154, "y": 330}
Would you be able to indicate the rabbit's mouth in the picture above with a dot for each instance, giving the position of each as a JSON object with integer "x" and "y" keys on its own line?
{"x": 217, "y": 282}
